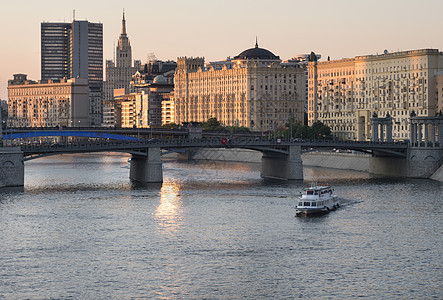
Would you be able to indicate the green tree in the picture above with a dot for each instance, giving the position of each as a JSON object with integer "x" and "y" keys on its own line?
{"x": 303, "y": 132}
{"x": 170, "y": 126}
{"x": 212, "y": 124}
{"x": 237, "y": 129}
{"x": 321, "y": 131}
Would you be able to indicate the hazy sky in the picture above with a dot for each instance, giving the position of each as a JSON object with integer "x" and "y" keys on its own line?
{"x": 217, "y": 29}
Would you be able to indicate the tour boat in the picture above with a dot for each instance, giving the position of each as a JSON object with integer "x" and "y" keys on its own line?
{"x": 317, "y": 199}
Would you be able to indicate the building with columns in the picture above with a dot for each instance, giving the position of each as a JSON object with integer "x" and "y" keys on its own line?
{"x": 253, "y": 89}
{"x": 120, "y": 71}
{"x": 427, "y": 131}
{"x": 344, "y": 94}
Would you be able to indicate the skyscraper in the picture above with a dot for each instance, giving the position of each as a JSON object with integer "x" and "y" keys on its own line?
{"x": 75, "y": 50}
{"x": 55, "y": 40}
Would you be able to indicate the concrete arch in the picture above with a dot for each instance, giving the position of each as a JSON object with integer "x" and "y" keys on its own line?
{"x": 8, "y": 163}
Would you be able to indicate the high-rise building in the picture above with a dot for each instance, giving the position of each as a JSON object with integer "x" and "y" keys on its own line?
{"x": 120, "y": 71}
{"x": 346, "y": 94}
{"x": 75, "y": 50}
{"x": 55, "y": 41}
{"x": 254, "y": 90}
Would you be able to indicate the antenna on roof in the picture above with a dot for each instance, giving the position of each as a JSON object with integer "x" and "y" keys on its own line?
{"x": 256, "y": 42}
{"x": 73, "y": 15}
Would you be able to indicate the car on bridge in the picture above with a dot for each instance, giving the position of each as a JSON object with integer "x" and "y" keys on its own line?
{"x": 57, "y": 145}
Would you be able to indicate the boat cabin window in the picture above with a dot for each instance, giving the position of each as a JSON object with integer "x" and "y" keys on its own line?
{"x": 307, "y": 204}
{"x": 310, "y": 192}
{"x": 300, "y": 203}
{"x": 313, "y": 204}
{"x": 316, "y": 192}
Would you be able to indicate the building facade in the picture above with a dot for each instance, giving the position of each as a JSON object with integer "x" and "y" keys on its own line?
{"x": 75, "y": 50}
{"x": 142, "y": 109}
{"x": 55, "y": 47}
{"x": 439, "y": 92}
{"x": 168, "y": 109}
{"x": 47, "y": 103}
{"x": 120, "y": 71}
{"x": 253, "y": 90}
{"x": 302, "y": 61}
{"x": 150, "y": 70}
{"x": 345, "y": 94}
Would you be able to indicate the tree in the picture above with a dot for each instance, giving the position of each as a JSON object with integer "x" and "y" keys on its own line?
{"x": 212, "y": 124}
{"x": 303, "y": 132}
{"x": 170, "y": 126}
{"x": 321, "y": 131}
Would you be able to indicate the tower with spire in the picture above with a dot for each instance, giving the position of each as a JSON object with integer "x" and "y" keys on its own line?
{"x": 120, "y": 70}
{"x": 124, "y": 50}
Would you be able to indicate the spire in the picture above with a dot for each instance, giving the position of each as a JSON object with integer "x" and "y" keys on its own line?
{"x": 123, "y": 24}
{"x": 256, "y": 42}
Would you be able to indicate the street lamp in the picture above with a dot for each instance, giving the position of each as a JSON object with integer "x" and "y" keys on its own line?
{"x": 150, "y": 126}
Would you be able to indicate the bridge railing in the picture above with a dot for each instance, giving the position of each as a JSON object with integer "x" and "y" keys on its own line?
{"x": 215, "y": 142}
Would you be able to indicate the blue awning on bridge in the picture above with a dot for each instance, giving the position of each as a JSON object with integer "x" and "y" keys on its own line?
{"x": 24, "y": 135}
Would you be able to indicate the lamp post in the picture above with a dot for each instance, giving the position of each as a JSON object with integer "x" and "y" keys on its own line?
{"x": 138, "y": 127}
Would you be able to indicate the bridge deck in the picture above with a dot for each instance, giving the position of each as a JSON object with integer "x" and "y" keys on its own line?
{"x": 263, "y": 145}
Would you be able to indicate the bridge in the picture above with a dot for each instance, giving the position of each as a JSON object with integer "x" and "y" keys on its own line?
{"x": 281, "y": 159}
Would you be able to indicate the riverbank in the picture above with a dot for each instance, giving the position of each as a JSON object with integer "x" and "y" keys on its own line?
{"x": 438, "y": 175}
{"x": 347, "y": 161}
{"x": 344, "y": 161}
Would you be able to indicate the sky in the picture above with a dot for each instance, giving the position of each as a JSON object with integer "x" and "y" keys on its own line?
{"x": 217, "y": 29}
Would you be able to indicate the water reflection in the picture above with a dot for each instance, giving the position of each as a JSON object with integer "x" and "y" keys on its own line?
{"x": 169, "y": 212}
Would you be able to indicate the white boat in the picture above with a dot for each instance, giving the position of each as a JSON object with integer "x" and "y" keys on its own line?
{"x": 317, "y": 199}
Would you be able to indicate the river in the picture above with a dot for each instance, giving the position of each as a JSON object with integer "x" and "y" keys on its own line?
{"x": 80, "y": 230}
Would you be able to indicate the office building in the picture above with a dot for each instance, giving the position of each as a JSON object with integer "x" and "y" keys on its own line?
{"x": 345, "y": 94}
{"x": 252, "y": 90}
{"x": 75, "y": 50}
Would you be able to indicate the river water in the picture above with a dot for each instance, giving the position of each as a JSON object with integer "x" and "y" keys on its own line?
{"x": 80, "y": 230}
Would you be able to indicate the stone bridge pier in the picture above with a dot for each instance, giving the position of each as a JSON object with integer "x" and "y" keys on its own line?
{"x": 12, "y": 168}
{"x": 276, "y": 165}
{"x": 147, "y": 168}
